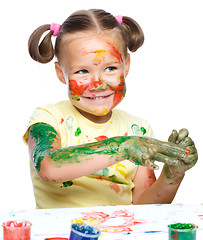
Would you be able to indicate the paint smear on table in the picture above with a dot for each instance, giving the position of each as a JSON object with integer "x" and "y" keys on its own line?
{"x": 109, "y": 222}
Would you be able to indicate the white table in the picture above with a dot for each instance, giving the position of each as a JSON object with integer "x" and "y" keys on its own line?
{"x": 147, "y": 222}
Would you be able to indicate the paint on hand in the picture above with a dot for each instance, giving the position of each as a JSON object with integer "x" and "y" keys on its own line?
{"x": 44, "y": 136}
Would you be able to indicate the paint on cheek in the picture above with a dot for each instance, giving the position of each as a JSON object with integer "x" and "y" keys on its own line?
{"x": 121, "y": 86}
{"x": 76, "y": 99}
{"x": 76, "y": 87}
{"x": 117, "y": 98}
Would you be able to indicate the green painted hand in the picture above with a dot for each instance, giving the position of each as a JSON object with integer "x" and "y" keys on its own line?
{"x": 146, "y": 151}
{"x": 182, "y": 139}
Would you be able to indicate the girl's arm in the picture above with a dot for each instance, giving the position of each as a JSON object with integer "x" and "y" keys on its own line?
{"x": 148, "y": 190}
{"x": 56, "y": 164}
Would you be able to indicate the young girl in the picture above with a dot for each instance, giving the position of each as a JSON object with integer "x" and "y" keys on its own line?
{"x": 85, "y": 152}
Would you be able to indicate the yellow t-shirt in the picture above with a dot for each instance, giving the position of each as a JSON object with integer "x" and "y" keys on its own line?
{"x": 109, "y": 186}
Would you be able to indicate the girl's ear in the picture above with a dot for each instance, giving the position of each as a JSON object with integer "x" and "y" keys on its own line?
{"x": 59, "y": 73}
{"x": 127, "y": 65}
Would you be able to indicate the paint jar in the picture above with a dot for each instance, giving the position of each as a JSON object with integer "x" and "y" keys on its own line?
{"x": 182, "y": 231}
{"x": 17, "y": 230}
{"x": 94, "y": 222}
{"x": 80, "y": 231}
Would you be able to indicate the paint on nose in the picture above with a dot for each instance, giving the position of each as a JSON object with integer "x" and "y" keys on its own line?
{"x": 96, "y": 85}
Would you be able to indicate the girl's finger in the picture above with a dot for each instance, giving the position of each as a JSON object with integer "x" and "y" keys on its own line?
{"x": 165, "y": 159}
{"x": 186, "y": 142}
{"x": 191, "y": 149}
{"x": 173, "y": 137}
{"x": 183, "y": 133}
{"x": 172, "y": 150}
{"x": 151, "y": 165}
{"x": 191, "y": 159}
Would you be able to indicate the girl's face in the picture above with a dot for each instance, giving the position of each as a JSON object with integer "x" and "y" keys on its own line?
{"x": 94, "y": 68}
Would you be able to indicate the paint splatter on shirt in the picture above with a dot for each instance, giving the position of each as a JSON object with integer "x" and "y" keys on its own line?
{"x": 109, "y": 186}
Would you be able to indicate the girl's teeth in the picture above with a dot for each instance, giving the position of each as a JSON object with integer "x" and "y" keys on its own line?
{"x": 96, "y": 97}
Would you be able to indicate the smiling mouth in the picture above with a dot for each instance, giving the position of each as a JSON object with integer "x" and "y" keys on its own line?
{"x": 98, "y": 97}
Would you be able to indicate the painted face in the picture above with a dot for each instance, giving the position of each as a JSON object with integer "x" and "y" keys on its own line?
{"x": 94, "y": 69}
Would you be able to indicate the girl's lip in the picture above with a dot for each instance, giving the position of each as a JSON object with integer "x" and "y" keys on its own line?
{"x": 98, "y": 97}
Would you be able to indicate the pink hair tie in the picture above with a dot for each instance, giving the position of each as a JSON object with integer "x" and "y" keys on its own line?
{"x": 119, "y": 18}
{"x": 55, "y": 28}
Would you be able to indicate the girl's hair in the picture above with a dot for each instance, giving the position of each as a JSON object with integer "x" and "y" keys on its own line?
{"x": 96, "y": 20}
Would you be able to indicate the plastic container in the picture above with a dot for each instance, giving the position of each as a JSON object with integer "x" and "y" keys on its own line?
{"x": 16, "y": 230}
{"x": 81, "y": 231}
{"x": 182, "y": 231}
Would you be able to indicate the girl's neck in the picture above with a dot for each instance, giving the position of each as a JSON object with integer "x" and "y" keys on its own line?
{"x": 94, "y": 118}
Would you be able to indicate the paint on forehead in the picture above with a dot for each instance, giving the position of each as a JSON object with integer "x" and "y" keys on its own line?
{"x": 99, "y": 55}
{"x": 114, "y": 52}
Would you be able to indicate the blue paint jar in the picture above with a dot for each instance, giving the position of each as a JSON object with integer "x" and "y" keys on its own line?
{"x": 84, "y": 232}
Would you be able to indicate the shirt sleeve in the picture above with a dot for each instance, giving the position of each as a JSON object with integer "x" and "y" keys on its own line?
{"x": 47, "y": 114}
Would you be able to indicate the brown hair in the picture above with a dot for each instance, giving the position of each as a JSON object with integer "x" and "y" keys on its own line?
{"x": 85, "y": 20}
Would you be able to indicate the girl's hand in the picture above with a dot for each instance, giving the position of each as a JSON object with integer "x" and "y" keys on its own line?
{"x": 146, "y": 151}
{"x": 181, "y": 139}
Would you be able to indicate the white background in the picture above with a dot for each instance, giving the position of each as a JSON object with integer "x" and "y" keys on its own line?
{"x": 164, "y": 85}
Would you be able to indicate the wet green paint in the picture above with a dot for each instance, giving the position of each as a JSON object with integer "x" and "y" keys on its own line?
{"x": 182, "y": 231}
{"x": 118, "y": 148}
{"x": 73, "y": 154}
{"x": 182, "y": 226}
{"x": 67, "y": 184}
{"x": 44, "y": 136}
{"x": 143, "y": 130}
{"x": 78, "y": 132}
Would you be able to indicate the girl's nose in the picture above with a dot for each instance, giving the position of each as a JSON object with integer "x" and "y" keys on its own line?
{"x": 97, "y": 84}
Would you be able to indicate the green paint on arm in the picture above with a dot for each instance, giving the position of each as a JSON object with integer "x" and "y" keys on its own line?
{"x": 118, "y": 148}
{"x": 44, "y": 136}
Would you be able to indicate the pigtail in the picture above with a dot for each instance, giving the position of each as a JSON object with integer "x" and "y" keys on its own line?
{"x": 41, "y": 52}
{"x": 133, "y": 32}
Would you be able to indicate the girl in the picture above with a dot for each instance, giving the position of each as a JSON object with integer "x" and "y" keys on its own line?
{"x": 85, "y": 152}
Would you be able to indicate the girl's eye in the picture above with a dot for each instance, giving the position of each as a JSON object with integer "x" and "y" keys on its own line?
{"x": 83, "y": 71}
{"x": 110, "y": 69}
